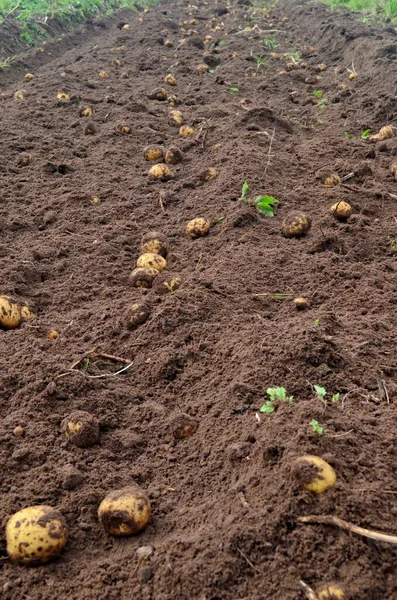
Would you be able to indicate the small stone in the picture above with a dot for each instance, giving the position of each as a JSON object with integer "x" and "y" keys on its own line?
{"x": 19, "y": 431}
{"x": 145, "y": 574}
{"x": 143, "y": 552}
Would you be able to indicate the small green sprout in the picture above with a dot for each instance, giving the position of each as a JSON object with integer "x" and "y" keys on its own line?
{"x": 335, "y": 397}
{"x": 264, "y": 205}
{"x": 321, "y": 392}
{"x": 365, "y": 134}
{"x": 317, "y": 428}
{"x": 267, "y": 408}
{"x": 260, "y": 62}
{"x": 244, "y": 192}
{"x": 233, "y": 90}
{"x": 270, "y": 43}
{"x": 316, "y": 322}
{"x": 277, "y": 395}
{"x": 348, "y": 135}
{"x": 318, "y": 94}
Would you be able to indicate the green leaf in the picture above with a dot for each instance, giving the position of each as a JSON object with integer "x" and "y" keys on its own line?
{"x": 348, "y": 135}
{"x": 320, "y": 391}
{"x": 267, "y": 408}
{"x": 365, "y": 134}
{"x": 318, "y": 94}
{"x": 317, "y": 428}
{"x": 335, "y": 397}
{"x": 264, "y": 205}
{"x": 245, "y": 189}
{"x": 233, "y": 90}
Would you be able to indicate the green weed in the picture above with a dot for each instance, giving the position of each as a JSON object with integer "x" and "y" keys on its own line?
{"x": 277, "y": 395}
{"x": 317, "y": 428}
{"x": 263, "y": 204}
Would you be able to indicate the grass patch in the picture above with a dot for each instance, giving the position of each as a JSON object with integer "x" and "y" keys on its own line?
{"x": 380, "y": 9}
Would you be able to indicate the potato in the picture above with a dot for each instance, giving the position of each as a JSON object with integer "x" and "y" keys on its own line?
{"x": 393, "y": 170}
{"x": 10, "y": 313}
{"x": 332, "y": 180}
{"x": 24, "y": 159}
{"x": 322, "y": 67}
{"x": 138, "y": 313}
{"x": 160, "y": 171}
{"x": 27, "y": 313}
{"x": 183, "y": 426}
{"x": 125, "y": 512}
{"x": 301, "y": 303}
{"x": 123, "y": 129}
{"x": 332, "y": 591}
{"x": 173, "y": 101}
{"x": 175, "y": 118}
{"x": 170, "y": 79}
{"x": 353, "y": 76}
{"x": 52, "y": 335}
{"x": 209, "y": 174}
{"x": 35, "y": 534}
{"x": 28, "y": 76}
{"x": 153, "y": 152}
{"x": 341, "y": 210}
{"x": 126, "y": 26}
{"x": 81, "y": 429}
{"x": 149, "y": 260}
{"x": 198, "y": 227}
{"x": 173, "y": 155}
{"x": 169, "y": 43}
{"x": 158, "y": 94}
{"x": 384, "y": 133}
{"x": 116, "y": 62}
{"x": 20, "y": 95}
{"x": 186, "y": 130}
{"x": 155, "y": 243}
{"x": 314, "y": 473}
{"x": 296, "y": 224}
{"x": 86, "y": 111}
{"x": 143, "y": 278}
{"x": 167, "y": 283}
{"x": 103, "y": 74}
{"x": 63, "y": 97}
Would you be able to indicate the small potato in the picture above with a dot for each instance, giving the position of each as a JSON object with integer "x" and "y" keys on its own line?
{"x": 353, "y": 76}
{"x": 153, "y": 153}
{"x": 332, "y": 591}
{"x": 125, "y": 512}
{"x": 24, "y": 159}
{"x": 103, "y": 74}
{"x": 20, "y": 95}
{"x": 137, "y": 314}
{"x": 167, "y": 283}
{"x": 385, "y": 133}
{"x": 155, "y": 243}
{"x": 186, "y": 130}
{"x": 36, "y": 534}
{"x": 173, "y": 155}
{"x": 393, "y": 170}
{"x": 312, "y": 79}
{"x": 151, "y": 261}
{"x": 81, "y": 429}
{"x": 301, "y": 303}
{"x": 202, "y": 69}
{"x": 175, "y": 118}
{"x": 173, "y": 101}
{"x": 170, "y": 79}
{"x": 314, "y": 473}
{"x": 123, "y": 129}
{"x": 158, "y": 94}
{"x": 332, "y": 180}
{"x": 209, "y": 174}
{"x": 63, "y": 97}
{"x": 169, "y": 43}
{"x": 10, "y": 313}
{"x": 126, "y": 26}
{"x": 198, "y": 228}
{"x": 341, "y": 210}
{"x": 86, "y": 111}
{"x": 116, "y": 62}
{"x": 27, "y": 313}
{"x": 52, "y": 335}
{"x": 184, "y": 426}
{"x": 322, "y": 67}
{"x": 143, "y": 278}
{"x": 161, "y": 172}
{"x": 296, "y": 224}
{"x": 28, "y": 76}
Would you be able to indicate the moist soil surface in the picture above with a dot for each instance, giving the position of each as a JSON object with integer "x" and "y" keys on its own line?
{"x": 225, "y": 496}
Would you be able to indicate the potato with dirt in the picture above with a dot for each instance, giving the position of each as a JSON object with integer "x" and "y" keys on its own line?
{"x": 314, "y": 473}
{"x": 36, "y": 534}
{"x": 296, "y": 225}
{"x": 155, "y": 242}
{"x": 167, "y": 283}
{"x": 173, "y": 155}
{"x": 332, "y": 591}
{"x": 175, "y": 118}
{"x": 160, "y": 172}
{"x": 81, "y": 429}
{"x": 150, "y": 260}
{"x": 10, "y": 312}
{"x": 125, "y": 512}
{"x": 198, "y": 227}
{"x": 137, "y": 314}
{"x": 341, "y": 210}
{"x": 143, "y": 277}
{"x": 153, "y": 153}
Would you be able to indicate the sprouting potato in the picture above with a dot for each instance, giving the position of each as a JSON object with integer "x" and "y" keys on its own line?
{"x": 24, "y": 159}
{"x": 125, "y": 512}
{"x": 153, "y": 152}
{"x": 183, "y": 426}
{"x": 36, "y": 534}
{"x": 149, "y": 260}
{"x": 170, "y": 79}
{"x": 301, "y": 303}
{"x": 10, "y": 312}
{"x": 209, "y": 174}
{"x": 155, "y": 243}
{"x": 158, "y": 94}
{"x": 103, "y": 74}
{"x": 198, "y": 227}
{"x": 186, "y": 130}
{"x": 28, "y": 76}
{"x": 20, "y": 95}
{"x": 143, "y": 278}
{"x": 63, "y": 97}
{"x": 332, "y": 180}
{"x": 173, "y": 155}
{"x": 314, "y": 473}
{"x": 332, "y": 591}
{"x": 123, "y": 129}
{"x": 296, "y": 224}
{"x": 161, "y": 172}
{"x": 81, "y": 429}
{"x": 385, "y": 133}
{"x": 86, "y": 111}
{"x": 137, "y": 314}
{"x": 175, "y": 118}
{"x": 393, "y": 170}
{"x": 341, "y": 210}
{"x": 167, "y": 283}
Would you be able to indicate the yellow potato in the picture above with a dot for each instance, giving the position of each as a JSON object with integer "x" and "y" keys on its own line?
{"x": 36, "y": 534}
{"x": 29, "y": 76}
{"x": 126, "y": 26}
{"x": 198, "y": 227}
{"x": 175, "y": 118}
{"x": 186, "y": 130}
{"x": 167, "y": 283}
{"x": 173, "y": 155}
{"x": 160, "y": 171}
{"x": 332, "y": 591}
{"x": 137, "y": 314}
{"x": 10, "y": 312}
{"x": 296, "y": 224}
{"x": 125, "y": 512}
{"x": 209, "y": 174}
{"x": 81, "y": 429}
{"x": 20, "y": 95}
{"x": 158, "y": 94}
{"x": 52, "y": 335}
{"x": 102, "y": 74}
{"x": 86, "y": 111}
{"x": 301, "y": 303}
{"x": 314, "y": 473}
{"x": 155, "y": 243}
{"x": 123, "y": 129}
{"x": 332, "y": 180}
{"x": 153, "y": 153}
{"x": 143, "y": 278}
{"x": 63, "y": 97}
{"x": 341, "y": 210}
{"x": 149, "y": 260}
{"x": 169, "y": 43}
{"x": 384, "y": 133}
{"x": 393, "y": 170}
{"x": 170, "y": 79}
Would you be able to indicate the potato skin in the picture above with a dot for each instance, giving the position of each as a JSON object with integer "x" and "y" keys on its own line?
{"x": 152, "y": 261}
{"x": 10, "y": 312}
{"x": 186, "y": 130}
{"x": 167, "y": 283}
{"x": 332, "y": 591}
{"x": 198, "y": 228}
{"x": 296, "y": 224}
{"x": 143, "y": 278}
{"x": 160, "y": 171}
{"x": 155, "y": 243}
{"x": 341, "y": 210}
{"x": 153, "y": 153}
{"x": 315, "y": 473}
{"x": 173, "y": 155}
{"x": 81, "y": 429}
{"x": 175, "y": 118}
{"x": 138, "y": 313}
{"x": 158, "y": 94}
{"x": 36, "y": 534}
{"x": 125, "y": 512}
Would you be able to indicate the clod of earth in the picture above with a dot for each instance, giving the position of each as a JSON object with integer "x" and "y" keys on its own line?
{"x": 166, "y": 283}
{"x": 173, "y": 155}
{"x": 209, "y": 174}
{"x": 183, "y": 426}
{"x": 393, "y": 170}
{"x": 81, "y": 429}
{"x": 24, "y": 159}
{"x": 125, "y": 512}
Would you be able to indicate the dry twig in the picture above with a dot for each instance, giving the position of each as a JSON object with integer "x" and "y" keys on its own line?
{"x": 332, "y": 520}
{"x": 310, "y": 594}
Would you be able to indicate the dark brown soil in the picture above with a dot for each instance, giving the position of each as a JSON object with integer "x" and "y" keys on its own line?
{"x": 225, "y": 502}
